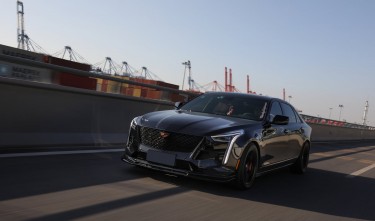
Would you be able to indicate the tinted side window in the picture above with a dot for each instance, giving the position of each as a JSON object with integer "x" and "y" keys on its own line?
{"x": 298, "y": 118}
{"x": 275, "y": 110}
{"x": 288, "y": 111}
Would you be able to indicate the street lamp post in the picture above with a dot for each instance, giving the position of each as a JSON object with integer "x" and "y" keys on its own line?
{"x": 340, "y": 106}
{"x": 290, "y": 97}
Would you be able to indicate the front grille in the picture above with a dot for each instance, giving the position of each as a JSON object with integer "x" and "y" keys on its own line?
{"x": 174, "y": 142}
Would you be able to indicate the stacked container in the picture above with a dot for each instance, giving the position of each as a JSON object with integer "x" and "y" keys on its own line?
{"x": 68, "y": 79}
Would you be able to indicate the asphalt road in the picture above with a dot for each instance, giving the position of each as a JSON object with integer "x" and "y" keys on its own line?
{"x": 339, "y": 185}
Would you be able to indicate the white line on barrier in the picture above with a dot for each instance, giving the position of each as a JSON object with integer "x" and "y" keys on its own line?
{"x": 359, "y": 172}
{"x": 58, "y": 153}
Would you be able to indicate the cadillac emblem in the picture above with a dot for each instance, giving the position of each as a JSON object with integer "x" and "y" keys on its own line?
{"x": 164, "y": 134}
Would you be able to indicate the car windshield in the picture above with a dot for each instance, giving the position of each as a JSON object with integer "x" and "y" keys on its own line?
{"x": 233, "y": 105}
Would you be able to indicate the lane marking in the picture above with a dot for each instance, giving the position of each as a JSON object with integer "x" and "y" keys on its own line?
{"x": 361, "y": 151}
{"x": 49, "y": 153}
{"x": 346, "y": 158}
{"x": 322, "y": 154}
{"x": 366, "y": 161}
{"x": 369, "y": 154}
{"x": 359, "y": 172}
{"x": 348, "y": 150}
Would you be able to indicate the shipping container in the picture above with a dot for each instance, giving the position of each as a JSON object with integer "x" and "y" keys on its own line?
{"x": 72, "y": 80}
{"x": 136, "y": 80}
{"x": 101, "y": 85}
{"x": 137, "y": 92}
{"x": 154, "y": 94}
{"x": 67, "y": 63}
{"x": 123, "y": 78}
{"x": 123, "y": 90}
{"x": 113, "y": 87}
{"x": 177, "y": 97}
{"x": 129, "y": 91}
{"x": 144, "y": 81}
{"x": 168, "y": 85}
{"x": 144, "y": 92}
{"x": 165, "y": 95}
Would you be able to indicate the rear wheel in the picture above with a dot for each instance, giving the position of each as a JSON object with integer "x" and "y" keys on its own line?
{"x": 248, "y": 168}
{"x": 300, "y": 165}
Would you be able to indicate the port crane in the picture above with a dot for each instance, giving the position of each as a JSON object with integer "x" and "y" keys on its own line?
{"x": 24, "y": 41}
{"x": 71, "y": 55}
{"x": 187, "y": 65}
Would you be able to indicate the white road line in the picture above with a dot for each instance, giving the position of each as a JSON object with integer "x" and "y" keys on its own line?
{"x": 359, "y": 172}
{"x": 58, "y": 153}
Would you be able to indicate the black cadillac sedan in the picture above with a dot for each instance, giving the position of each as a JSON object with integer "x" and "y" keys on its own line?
{"x": 222, "y": 137}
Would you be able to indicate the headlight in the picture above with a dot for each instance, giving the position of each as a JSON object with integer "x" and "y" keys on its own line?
{"x": 227, "y": 137}
{"x": 133, "y": 124}
{"x": 132, "y": 142}
{"x": 222, "y": 141}
{"x": 226, "y": 141}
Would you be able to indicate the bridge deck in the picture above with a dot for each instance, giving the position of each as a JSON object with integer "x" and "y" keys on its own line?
{"x": 96, "y": 185}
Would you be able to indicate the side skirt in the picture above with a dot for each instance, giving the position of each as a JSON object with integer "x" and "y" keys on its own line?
{"x": 275, "y": 166}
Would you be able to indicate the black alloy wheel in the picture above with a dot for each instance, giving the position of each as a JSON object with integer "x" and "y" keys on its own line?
{"x": 300, "y": 165}
{"x": 248, "y": 168}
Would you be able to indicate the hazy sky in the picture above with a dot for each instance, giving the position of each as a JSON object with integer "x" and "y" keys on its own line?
{"x": 321, "y": 51}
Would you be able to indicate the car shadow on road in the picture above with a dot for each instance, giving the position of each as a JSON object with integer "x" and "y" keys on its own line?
{"x": 22, "y": 177}
{"x": 317, "y": 191}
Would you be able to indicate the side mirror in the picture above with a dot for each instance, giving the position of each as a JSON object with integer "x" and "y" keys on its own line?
{"x": 280, "y": 120}
{"x": 178, "y": 104}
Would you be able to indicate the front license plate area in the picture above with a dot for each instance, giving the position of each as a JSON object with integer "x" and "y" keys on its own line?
{"x": 161, "y": 158}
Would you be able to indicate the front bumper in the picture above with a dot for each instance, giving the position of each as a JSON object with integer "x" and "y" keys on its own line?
{"x": 217, "y": 174}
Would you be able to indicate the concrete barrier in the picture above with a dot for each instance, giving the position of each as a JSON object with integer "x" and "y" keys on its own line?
{"x": 37, "y": 114}
{"x": 334, "y": 133}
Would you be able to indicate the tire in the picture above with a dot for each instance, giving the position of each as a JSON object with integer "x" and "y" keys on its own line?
{"x": 301, "y": 163}
{"x": 248, "y": 168}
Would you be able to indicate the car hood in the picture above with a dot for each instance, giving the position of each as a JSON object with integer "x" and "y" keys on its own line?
{"x": 193, "y": 123}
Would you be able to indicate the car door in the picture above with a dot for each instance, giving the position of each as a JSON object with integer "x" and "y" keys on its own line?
{"x": 274, "y": 139}
{"x": 293, "y": 130}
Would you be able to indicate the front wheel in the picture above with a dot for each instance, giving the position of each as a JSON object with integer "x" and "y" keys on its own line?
{"x": 248, "y": 168}
{"x": 300, "y": 165}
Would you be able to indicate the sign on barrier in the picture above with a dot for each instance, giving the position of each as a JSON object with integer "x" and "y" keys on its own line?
{"x": 23, "y": 72}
